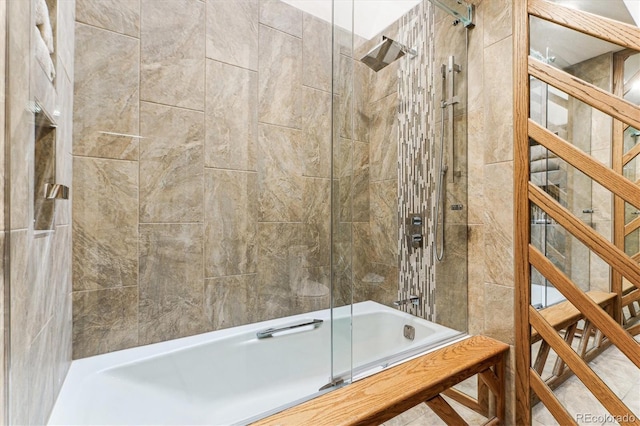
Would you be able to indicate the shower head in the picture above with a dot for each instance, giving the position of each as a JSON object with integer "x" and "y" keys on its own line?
{"x": 385, "y": 53}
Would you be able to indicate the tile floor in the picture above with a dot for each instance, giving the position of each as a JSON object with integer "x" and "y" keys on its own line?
{"x": 612, "y": 366}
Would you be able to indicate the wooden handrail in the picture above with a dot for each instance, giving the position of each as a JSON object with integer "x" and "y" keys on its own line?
{"x": 549, "y": 400}
{"x": 611, "y": 254}
{"x": 591, "y": 95}
{"x": 597, "y": 171}
{"x": 631, "y": 154}
{"x": 590, "y": 309}
{"x": 587, "y": 23}
{"x": 632, "y": 226}
{"x": 586, "y": 375}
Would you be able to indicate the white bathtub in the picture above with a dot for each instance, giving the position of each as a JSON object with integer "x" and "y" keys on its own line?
{"x": 230, "y": 377}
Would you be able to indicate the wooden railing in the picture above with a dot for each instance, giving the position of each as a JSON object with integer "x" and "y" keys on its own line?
{"x": 526, "y": 194}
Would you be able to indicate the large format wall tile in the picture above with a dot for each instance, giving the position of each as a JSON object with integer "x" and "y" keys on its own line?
{"x": 41, "y": 394}
{"x": 316, "y": 128}
{"x": 232, "y": 32}
{"x": 281, "y": 16}
{"x": 280, "y": 168}
{"x": 475, "y": 278}
{"x": 384, "y": 82}
{"x": 65, "y": 40}
{"x": 282, "y": 254}
{"x": 475, "y": 62}
{"x": 64, "y": 147}
{"x": 475, "y": 153}
{"x": 104, "y": 321}
{"x": 498, "y": 14}
{"x": 231, "y": 301}
{"x": 343, "y": 91}
{"x": 498, "y": 108}
{"x": 317, "y": 220}
{"x": 316, "y": 53}
{"x": 452, "y": 284}
{"x": 360, "y": 196}
{"x": 231, "y": 117}
{"x": 279, "y": 78}
{"x": 106, "y": 94}
{"x": 361, "y": 92}
{"x": 343, "y": 180}
{"x": 384, "y": 146}
{"x": 171, "y": 164}
{"x": 171, "y": 298}
{"x": 362, "y": 255}
{"x": 62, "y": 321}
{"x": 39, "y": 294}
{"x": 342, "y": 261}
{"x": 20, "y": 340}
{"x": 105, "y": 223}
{"x": 121, "y": 16}
{"x": 230, "y": 222}
{"x": 173, "y": 52}
{"x": 498, "y": 237}
{"x": 498, "y": 309}
{"x": 384, "y": 222}
{"x": 20, "y": 136}
{"x": 352, "y": 87}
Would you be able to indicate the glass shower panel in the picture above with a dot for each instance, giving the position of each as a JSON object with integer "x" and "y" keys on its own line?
{"x": 450, "y": 72}
{"x": 394, "y": 149}
{"x": 344, "y": 178}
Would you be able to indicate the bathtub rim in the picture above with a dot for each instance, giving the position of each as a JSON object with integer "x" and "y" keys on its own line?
{"x": 82, "y": 369}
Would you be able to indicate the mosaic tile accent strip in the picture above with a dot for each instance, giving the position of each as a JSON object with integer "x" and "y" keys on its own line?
{"x": 416, "y": 159}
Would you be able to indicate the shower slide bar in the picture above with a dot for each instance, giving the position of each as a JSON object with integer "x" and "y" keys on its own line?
{"x": 269, "y": 332}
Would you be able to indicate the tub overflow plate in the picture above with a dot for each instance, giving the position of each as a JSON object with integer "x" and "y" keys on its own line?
{"x": 409, "y": 332}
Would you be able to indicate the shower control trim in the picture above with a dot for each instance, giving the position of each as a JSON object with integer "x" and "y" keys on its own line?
{"x": 413, "y": 230}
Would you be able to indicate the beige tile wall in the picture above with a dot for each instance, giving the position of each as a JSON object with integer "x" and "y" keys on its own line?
{"x": 490, "y": 154}
{"x": 265, "y": 170}
{"x": 219, "y": 214}
{"x": 40, "y": 262}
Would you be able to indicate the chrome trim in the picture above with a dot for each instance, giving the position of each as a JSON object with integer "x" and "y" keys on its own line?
{"x": 56, "y": 191}
{"x": 269, "y": 332}
{"x": 414, "y": 300}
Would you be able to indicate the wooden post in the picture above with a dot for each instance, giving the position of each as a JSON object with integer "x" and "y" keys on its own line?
{"x": 521, "y": 209}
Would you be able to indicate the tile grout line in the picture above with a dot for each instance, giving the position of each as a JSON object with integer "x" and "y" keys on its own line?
{"x": 106, "y": 29}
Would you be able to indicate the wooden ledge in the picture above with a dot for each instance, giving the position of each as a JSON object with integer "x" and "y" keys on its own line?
{"x": 380, "y": 397}
{"x": 564, "y": 314}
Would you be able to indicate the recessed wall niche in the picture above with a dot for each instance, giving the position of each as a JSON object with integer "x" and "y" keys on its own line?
{"x": 46, "y": 191}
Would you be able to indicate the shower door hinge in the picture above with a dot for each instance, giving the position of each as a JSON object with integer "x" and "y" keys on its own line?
{"x": 337, "y": 382}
